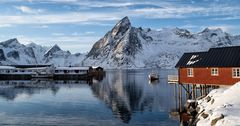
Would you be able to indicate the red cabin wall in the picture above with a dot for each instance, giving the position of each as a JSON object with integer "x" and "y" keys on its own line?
{"x": 203, "y": 76}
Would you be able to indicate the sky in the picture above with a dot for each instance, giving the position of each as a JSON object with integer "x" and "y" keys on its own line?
{"x": 75, "y": 25}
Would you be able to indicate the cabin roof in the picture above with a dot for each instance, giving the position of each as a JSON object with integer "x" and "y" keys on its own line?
{"x": 7, "y": 67}
{"x": 214, "y": 57}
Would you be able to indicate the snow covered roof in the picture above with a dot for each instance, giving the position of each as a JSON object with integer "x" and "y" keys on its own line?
{"x": 191, "y": 59}
{"x": 72, "y": 68}
{"x": 37, "y": 68}
{"x": 7, "y": 67}
{"x": 215, "y": 57}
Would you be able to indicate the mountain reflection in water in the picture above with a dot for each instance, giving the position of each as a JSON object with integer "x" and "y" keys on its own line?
{"x": 122, "y": 98}
{"x": 129, "y": 92}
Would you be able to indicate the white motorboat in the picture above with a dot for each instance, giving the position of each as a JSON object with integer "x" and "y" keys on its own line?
{"x": 153, "y": 76}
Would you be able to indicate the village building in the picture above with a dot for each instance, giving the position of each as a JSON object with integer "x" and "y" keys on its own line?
{"x": 217, "y": 66}
{"x": 48, "y": 71}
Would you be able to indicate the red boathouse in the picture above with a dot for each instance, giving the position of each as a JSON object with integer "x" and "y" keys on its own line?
{"x": 216, "y": 66}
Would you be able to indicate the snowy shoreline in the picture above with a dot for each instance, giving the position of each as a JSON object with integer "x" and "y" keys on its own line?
{"x": 221, "y": 107}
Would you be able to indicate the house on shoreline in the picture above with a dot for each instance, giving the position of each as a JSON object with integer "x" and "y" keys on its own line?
{"x": 217, "y": 66}
{"x": 48, "y": 71}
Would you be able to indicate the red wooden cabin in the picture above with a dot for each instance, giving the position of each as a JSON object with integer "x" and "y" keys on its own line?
{"x": 216, "y": 66}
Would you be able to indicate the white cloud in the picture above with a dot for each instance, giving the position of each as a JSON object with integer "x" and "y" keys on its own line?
{"x": 189, "y": 26}
{"x": 58, "y": 34}
{"x": 170, "y": 12}
{"x": 91, "y": 4}
{"x": 5, "y": 25}
{"x": 89, "y": 32}
{"x": 44, "y": 26}
{"x": 228, "y": 18}
{"x": 82, "y": 34}
{"x": 29, "y": 10}
{"x": 187, "y": 11}
{"x": 71, "y": 17}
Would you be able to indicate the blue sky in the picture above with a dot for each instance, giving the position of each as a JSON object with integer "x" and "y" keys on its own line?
{"x": 76, "y": 24}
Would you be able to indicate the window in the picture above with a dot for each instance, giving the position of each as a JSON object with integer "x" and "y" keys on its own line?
{"x": 214, "y": 71}
{"x": 236, "y": 72}
{"x": 190, "y": 72}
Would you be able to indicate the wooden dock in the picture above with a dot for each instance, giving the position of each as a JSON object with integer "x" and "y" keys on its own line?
{"x": 172, "y": 79}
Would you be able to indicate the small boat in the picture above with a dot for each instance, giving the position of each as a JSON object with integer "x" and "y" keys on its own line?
{"x": 153, "y": 76}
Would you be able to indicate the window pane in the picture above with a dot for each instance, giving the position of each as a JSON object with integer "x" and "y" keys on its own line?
{"x": 214, "y": 71}
{"x": 190, "y": 72}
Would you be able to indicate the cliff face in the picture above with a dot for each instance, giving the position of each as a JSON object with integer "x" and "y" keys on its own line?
{"x": 128, "y": 47}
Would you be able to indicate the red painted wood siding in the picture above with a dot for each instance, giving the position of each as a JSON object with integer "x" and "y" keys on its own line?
{"x": 203, "y": 76}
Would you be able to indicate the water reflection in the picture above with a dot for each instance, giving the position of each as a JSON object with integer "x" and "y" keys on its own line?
{"x": 10, "y": 89}
{"x": 120, "y": 98}
{"x": 128, "y": 92}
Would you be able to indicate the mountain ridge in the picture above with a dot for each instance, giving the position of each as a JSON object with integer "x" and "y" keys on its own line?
{"x": 123, "y": 46}
{"x": 14, "y": 53}
{"x": 133, "y": 47}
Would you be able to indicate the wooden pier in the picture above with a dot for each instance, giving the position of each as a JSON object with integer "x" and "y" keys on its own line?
{"x": 172, "y": 79}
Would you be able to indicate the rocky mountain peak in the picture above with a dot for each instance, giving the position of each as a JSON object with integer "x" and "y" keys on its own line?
{"x": 55, "y": 48}
{"x": 10, "y": 43}
{"x": 182, "y": 32}
{"x": 32, "y": 44}
{"x": 212, "y": 30}
{"x": 52, "y": 50}
{"x": 121, "y": 27}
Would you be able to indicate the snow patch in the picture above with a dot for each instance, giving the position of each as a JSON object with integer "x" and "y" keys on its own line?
{"x": 223, "y": 106}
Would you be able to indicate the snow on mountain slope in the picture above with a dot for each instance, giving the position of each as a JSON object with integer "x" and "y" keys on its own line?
{"x": 129, "y": 47}
{"x": 59, "y": 57}
{"x": 122, "y": 47}
{"x": 38, "y": 51}
{"x": 16, "y": 53}
{"x": 12, "y": 52}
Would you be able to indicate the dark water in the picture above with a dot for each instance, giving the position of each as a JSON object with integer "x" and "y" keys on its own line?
{"x": 121, "y": 98}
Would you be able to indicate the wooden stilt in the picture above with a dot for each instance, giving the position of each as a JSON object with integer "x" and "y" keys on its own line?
{"x": 193, "y": 91}
{"x": 180, "y": 97}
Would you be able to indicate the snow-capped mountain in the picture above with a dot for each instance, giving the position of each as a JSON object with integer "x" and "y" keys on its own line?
{"x": 129, "y": 47}
{"x": 55, "y": 55}
{"x": 124, "y": 46}
{"x": 12, "y": 52}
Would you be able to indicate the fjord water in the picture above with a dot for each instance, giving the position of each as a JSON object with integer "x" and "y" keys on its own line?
{"x": 123, "y": 97}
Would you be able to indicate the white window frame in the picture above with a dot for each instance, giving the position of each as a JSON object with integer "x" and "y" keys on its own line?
{"x": 214, "y": 71}
{"x": 236, "y": 72}
{"x": 190, "y": 72}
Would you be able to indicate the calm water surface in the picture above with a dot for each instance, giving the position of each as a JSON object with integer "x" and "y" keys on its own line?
{"x": 121, "y": 98}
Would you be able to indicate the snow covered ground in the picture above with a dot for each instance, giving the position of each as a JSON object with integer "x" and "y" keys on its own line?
{"x": 221, "y": 107}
